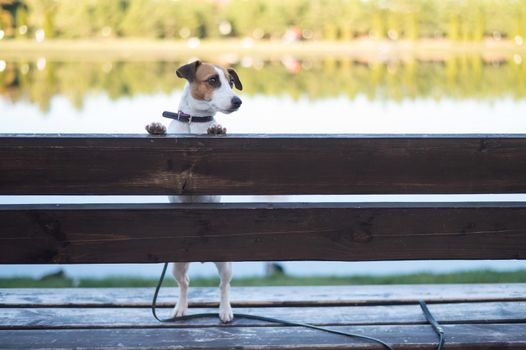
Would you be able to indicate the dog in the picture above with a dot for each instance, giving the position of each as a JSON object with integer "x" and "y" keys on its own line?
{"x": 209, "y": 89}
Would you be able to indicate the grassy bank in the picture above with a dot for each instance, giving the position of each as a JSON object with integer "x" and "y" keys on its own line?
{"x": 481, "y": 276}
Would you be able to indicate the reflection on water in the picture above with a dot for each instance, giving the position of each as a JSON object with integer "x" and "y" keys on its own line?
{"x": 458, "y": 77}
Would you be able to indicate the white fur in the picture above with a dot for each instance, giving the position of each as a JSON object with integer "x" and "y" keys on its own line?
{"x": 222, "y": 98}
{"x": 221, "y": 102}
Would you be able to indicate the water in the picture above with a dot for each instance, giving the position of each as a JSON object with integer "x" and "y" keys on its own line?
{"x": 463, "y": 94}
{"x": 263, "y": 114}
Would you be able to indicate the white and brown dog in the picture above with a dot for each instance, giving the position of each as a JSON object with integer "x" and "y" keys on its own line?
{"x": 208, "y": 91}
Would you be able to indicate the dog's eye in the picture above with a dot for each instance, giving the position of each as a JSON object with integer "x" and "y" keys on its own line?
{"x": 212, "y": 80}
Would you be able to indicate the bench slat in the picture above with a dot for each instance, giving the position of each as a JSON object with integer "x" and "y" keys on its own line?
{"x": 419, "y": 337}
{"x": 474, "y": 325}
{"x": 68, "y": 318}
{"x": 97, "y": 233}
{"x": 262, "y": 164}
{"x": 266, "y": 296}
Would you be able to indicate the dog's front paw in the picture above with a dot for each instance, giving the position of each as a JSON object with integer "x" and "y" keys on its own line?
{"x": 226, "y": 314}
{"x": 156, "y": 129}
{"x": 216, "y": 129}
{"x": 179, "y": 311}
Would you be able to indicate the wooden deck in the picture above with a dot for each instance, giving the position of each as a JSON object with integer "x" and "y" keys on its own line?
{"x": 484, "y": 316}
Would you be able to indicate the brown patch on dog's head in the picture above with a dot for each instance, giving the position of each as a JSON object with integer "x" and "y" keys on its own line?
{"x": 205, "y": 82}
{"x": 203, "y": 79}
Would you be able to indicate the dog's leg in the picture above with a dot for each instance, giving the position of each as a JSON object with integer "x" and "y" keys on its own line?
{"x": 179, "y": 272}
{"x": 225, "y": 273}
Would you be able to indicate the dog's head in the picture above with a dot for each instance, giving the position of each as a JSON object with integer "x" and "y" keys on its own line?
{"x": 213, "y": 85}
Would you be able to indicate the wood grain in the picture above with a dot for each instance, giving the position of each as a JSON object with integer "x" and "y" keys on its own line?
{"x": 69, "y": 318}
{"x": 266, "y": 296}
{"x": 402, "y": 337}
{"x": 262, "y": 164}
{"x": 96, "y": 233}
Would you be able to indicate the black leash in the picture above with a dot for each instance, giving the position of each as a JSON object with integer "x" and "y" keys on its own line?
{"x": 436, "y": 326}
{"x": 434, "y": 323}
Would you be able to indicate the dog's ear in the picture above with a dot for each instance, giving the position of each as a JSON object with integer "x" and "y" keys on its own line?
{"x": 235, "y": 77}
{"x": 188, "y": 71}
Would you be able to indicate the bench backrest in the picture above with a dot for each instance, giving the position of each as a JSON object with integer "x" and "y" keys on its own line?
{"x": 261, "y": 165}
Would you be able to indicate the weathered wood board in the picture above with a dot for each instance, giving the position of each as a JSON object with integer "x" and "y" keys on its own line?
{"x": 112, "y": 233}
{"x": 68, "y": 318}
{"x": 472, "y": 315}
{"x": 262, "y": 164}
{"x": 402, "y": 337}
{"x": 266, "y": 296}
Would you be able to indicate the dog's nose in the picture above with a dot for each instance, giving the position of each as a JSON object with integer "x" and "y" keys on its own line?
{"x": 236, "y": 102}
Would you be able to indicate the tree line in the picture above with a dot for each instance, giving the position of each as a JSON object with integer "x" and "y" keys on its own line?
{"x": 265, "y": 19}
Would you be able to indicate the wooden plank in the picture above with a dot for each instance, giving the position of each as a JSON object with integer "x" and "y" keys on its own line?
{"x": 262, "y": 164}
{"x": 414, "y": 337}
{"x": 68, "y": 318}
{"x": 136, "y": 233}
{"x": 266, "y": 296}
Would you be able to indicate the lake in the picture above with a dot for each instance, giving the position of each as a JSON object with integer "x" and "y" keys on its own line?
{"x": 465, "y": 93}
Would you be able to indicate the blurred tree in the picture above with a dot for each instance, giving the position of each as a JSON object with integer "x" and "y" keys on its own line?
{"x": 244, "y": 16}
{"x": 140, "y": 19}
{"x": 8, "y": 10}
{"x": 49, "y": 25}
{"x": 315, "y": 19}
{"x": 21, "y": 21}
{"x": 454, "y": 27}
{"x": 411, "y": 26}
{"x": 42, "y": 15}
{"x": 378, "y": 21}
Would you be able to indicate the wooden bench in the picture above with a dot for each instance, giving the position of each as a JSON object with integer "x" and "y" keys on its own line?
{"x": 482, "y": 316}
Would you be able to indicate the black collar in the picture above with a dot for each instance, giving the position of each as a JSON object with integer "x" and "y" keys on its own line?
{"x": 187, "y": 118}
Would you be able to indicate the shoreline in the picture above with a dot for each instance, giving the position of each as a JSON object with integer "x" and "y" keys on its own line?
{"x": 465, "y": 276}
{"x": 231, "y": 50}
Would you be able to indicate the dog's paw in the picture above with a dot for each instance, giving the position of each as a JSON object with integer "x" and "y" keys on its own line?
{"x": 226, "y": 314}
{"x": 216, "y": 129}
{"x": 156, "y": 129}
{"x": 179, "y": 311}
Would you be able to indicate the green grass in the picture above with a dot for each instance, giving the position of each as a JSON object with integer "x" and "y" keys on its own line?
{"x": 480, "y": 276}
